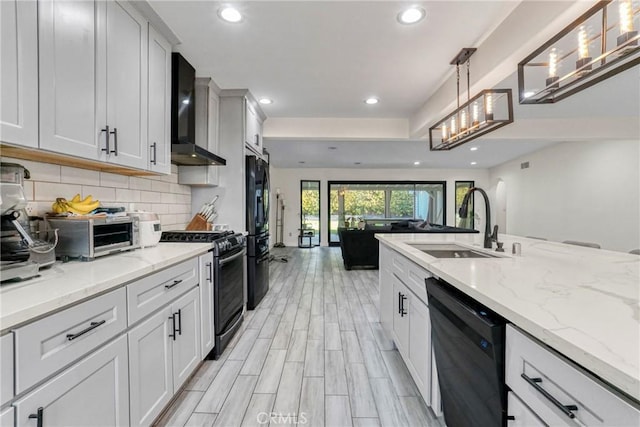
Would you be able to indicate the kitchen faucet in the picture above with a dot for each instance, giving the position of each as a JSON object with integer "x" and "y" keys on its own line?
{"x": 464, "y": 209}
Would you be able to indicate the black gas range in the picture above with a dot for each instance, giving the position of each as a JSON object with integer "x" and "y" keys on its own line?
{"x": 225, "y": 242}
{"x": 228, "y": 272}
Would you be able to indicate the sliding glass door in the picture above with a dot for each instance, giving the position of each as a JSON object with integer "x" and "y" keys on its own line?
{"x": 309, "y": 213}
{"x": 384, "y": 202}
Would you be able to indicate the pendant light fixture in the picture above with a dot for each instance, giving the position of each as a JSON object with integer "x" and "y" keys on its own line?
{"x": 485, "y": 112}
{"x": 600, "y": 45}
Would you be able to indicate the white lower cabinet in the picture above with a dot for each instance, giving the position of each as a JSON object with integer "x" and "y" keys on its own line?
{"x": 186, "y": 343}
{"x": 8, "y": 417}
{"x": 207, "y": 329}
{"x": 404, "y": 314}
{"x": 519, "y": 415}
{"x": 150, "y": 359}
{"x": 163, "y": 351}
{"x": 93, "y": 392}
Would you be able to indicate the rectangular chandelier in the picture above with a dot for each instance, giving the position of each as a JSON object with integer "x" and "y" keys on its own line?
{"x": 489, "y": 110}
{"x": 599, "y": 44}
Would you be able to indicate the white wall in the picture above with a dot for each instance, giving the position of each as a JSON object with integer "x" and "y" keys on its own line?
{"x": 288, "y": 180}
{"x": 585, "y": 191}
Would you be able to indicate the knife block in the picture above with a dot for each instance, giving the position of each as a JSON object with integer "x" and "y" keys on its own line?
{"x": 199, "y": 223}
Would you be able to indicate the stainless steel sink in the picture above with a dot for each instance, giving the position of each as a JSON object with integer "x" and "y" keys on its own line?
{"x": 450, "y": 251}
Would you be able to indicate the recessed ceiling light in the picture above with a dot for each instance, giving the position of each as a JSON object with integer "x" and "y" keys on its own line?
{"x": 474, "y": 163}
{"x": 473, "y": 148}
{"x": 416, "y": 163}
{"x": 230, "y": 14}
{"x": 412, "y": 15}
{"x": 371, "y": 101}
{"x": 266, "y": 101}
{"x": 528, "y": 94}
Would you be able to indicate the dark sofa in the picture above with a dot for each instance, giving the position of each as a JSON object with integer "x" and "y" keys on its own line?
{"x": 360, "y": 247}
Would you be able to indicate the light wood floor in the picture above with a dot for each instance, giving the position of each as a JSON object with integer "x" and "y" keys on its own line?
{"x": 313, "y": 349}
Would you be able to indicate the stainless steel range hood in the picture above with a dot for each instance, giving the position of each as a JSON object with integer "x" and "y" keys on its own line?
{"x": 194, "y": 155}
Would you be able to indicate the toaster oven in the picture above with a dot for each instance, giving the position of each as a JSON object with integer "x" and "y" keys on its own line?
{"x": 88, "y": 239}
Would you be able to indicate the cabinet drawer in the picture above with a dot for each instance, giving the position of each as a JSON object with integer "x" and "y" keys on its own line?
{"x": 416, "y": 281}
{"x": 538, "y": 375}
{"x": 157, "y": 290}
{"x": 47, "y": 345}
{"x": 399, "y": 265}
{"x": 8, "y": 417}
{"x": 6, "y": 368}
{"x": 520, "y": 415}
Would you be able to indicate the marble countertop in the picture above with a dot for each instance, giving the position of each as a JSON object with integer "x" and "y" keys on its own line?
{"x": 583, "y": 302}
{"x": 66, "y": 284}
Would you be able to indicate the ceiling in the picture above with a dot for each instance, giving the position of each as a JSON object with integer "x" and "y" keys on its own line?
{"x": 323, "y": 58}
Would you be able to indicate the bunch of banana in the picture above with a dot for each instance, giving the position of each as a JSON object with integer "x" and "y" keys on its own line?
{"x": 76, "y": 205}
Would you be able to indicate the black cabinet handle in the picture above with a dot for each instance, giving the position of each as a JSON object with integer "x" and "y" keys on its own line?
{"x": 154, "y": 159}
{"x": 39, "y": 416}
{"x": 173, "y": 326}
{"x": 403, "y": 312}
{"x": 566, "y": 409}
{"x": 106, "y": 130}
{"x": 115, "y": 141}
{"x": 91, "y": 327}
{"x": 175, "y": 283}
{"x": 179, "y": 329}
{"x": 511, "y": 418}
{"x": 209, "y": 266}
{"x": 257, "y": 139}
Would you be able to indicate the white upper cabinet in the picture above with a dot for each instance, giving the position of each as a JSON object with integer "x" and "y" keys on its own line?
{"x": 159, "y": 130}
{"x": 19, "y": 72}
{"x": 253, "y": 127}
{"x": 68, "y": 73}
{"x": 105, "y": 84}
{"x": 126, "y": 54}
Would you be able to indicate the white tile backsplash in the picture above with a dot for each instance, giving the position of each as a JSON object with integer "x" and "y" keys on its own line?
{"x": 160, "y": 194}
{"x": 75, "y": 175}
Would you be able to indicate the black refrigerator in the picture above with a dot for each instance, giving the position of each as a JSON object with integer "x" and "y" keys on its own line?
{"x": 257, "y": 171}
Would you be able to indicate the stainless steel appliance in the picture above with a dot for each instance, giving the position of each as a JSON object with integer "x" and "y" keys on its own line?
{"x": 89, "y": 238}
{"x": 257, "y": 221}
{"x": 468, "y": 343}
{"x": 228, "y": 270}
{"x": 22, "y": 254}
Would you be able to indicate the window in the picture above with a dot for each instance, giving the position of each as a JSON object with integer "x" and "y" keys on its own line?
{"x": 350, "y": 201}
{"x": 462, "y": 187}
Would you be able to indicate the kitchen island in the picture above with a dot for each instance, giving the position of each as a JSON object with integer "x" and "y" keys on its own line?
{"x": 581, "y": 302}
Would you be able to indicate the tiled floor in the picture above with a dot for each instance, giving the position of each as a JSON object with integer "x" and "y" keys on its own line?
{"x": 313, "y": 353}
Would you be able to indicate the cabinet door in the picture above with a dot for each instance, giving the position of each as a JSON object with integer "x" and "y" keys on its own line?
{"x": 159, "y": 103}
{"x": 8, "y": 417}
{"x": 6, "y": 368}
{"x": 125, "y": 49}
{"x": 151, "y": 378}
{"x": 19, "y": 72}
{"x": 401, "y": 298}
{"x": 207, "y": 329}
{"x": 520, "y": 414}
{"x": 70, "y": 114}
{"x": 420, "y": 346}
{"x": 186, "y": 346}
{"x": 253, "y": 128}
{"x": 93, "y": 392}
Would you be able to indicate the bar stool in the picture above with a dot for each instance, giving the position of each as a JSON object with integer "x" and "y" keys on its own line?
{"x": 305, "y": 234}
{"x": 586, "y": 244}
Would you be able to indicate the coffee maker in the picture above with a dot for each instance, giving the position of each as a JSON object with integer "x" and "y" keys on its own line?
{"x": 21, "y": 254}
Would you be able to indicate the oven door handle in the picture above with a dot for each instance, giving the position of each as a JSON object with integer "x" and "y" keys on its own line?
{"x": 224, "y": 261}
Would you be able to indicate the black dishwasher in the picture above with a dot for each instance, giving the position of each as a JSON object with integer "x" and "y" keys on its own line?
{"x": 468, "y": 342}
